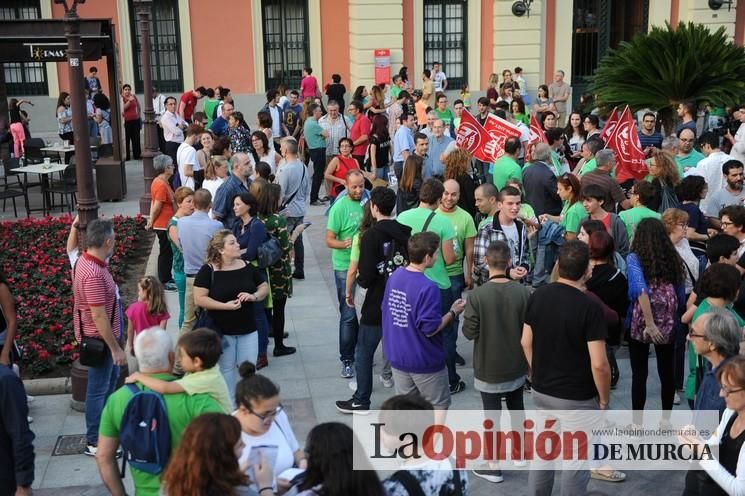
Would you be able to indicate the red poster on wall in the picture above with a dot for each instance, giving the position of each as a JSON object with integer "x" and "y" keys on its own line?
{"x": 382, "y": 66}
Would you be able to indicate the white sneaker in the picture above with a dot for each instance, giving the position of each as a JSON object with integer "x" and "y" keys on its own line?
{"x": 29, "y": 399}
{"x": 30, "y": 420}
{"x": 676, "y": 399}
{"x": 352, "y": 385}
{"x": 387, "y": 383}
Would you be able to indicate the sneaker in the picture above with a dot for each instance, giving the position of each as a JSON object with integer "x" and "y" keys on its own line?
{"x": 283, "y": 351}
{"x": 29, "y": 399}
{"x": 387, "y": 383}
{"x": 457, "y": 388}
{"x": 347, "y": 369}
{"x": 676, "y": 399}
{"x": 459, "y": 360}
{"x": 318, "y": 203}
{"x": 494, "y": 476}
{"x": 30, "y": 419}
{"x": 352, "y": 406}
{"x": 170, "y": 286}
{"x": 352, "y": 385}
{"x": 90, "y": 450}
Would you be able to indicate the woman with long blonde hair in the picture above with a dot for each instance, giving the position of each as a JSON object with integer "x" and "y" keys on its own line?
{"x": 664, "y": 176}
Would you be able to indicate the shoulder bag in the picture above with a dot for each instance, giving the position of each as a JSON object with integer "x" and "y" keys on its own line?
{"x": 92, "y": 352}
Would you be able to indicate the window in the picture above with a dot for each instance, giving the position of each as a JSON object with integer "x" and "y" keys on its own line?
{"x": 286, "y": 44}
{"x": 165, "y": 50}
{"x": 445, "y": 39}
{"x": 23, "y": 78}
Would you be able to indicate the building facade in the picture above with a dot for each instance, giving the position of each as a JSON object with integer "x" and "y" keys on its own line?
{"x": 253, "y": 45}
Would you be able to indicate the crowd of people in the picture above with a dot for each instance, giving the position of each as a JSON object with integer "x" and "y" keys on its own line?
{"x": 545, "y": 259}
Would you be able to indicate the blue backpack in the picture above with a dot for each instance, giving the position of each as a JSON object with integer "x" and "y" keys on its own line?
{"x": 144, "y": 433}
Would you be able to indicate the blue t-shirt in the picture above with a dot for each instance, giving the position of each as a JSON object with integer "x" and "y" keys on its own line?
{"x": 654, "y": 139}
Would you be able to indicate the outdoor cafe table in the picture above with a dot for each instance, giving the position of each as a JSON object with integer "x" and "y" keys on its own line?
{"x": 44, "y": 172}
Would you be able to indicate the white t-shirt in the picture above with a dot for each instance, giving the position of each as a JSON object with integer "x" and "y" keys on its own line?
{"x": 513, "y": 240}
{"x": 438, "y": 80}
{"x": 276, "y": 123}
{"x": 279, "y": 434}
{"x": 187, "y": 155}
{"x": 211, "y": 185}
{"x": 270, "y": 158}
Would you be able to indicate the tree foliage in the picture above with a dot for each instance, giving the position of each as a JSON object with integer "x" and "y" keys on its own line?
{"x": 664, "y": 67}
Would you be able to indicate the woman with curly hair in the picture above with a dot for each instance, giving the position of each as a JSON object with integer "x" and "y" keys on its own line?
{"x": 657, "y": 293}
{"x": 330, "y": 448}
{"x": 458, "y": 167}
{"x": 205, "y": 462}
{"x": 663, "y": 174}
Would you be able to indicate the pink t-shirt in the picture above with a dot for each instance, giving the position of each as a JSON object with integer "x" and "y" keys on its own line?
{"x": 308, "y": 87}
{"x": 141, "y": 319}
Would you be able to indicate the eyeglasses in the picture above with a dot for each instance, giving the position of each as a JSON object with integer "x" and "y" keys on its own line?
{"x": 727, "y": 391}
{"x": 684, "y": 225}
{"x": 725, "y": 223}
{"x": 267, "y": 415}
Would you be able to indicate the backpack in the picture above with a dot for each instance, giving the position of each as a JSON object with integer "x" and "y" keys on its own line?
{"x": 663, "y": 301}
{"x": 269, "y": 252}
{"x": 144, "y": 432}
{"x": 395, "y": 255}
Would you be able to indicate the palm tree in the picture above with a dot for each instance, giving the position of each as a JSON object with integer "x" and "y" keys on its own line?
{"x": 666, "y": 66}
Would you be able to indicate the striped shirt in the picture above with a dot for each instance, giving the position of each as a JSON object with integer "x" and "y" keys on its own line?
{"x": 93, "y": 286}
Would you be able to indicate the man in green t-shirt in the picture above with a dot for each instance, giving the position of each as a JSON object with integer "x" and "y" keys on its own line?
{"x": 154, "y": 350}
{"x": 345, "y": 216}
{"x": 687, "y": 157}
{"x": 642, "y": 194}
{"x": 444, "y": 113}
{"x": 426, "y": 218}
{"x": 506, "y": 166}
{"x": 465, "y": 234}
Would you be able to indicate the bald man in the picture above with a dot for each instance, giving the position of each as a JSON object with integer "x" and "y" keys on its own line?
{"x": 465, "y": 234}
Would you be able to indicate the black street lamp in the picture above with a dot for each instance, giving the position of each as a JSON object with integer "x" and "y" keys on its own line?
{"x": 87, "y": 203}
{"x": 150, "y": 150}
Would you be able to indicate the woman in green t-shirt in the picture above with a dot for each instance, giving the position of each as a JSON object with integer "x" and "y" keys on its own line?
{"x": 573, "y": 213}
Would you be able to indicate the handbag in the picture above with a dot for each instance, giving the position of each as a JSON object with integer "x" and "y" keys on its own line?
{"x": 203, "y": 315}
{"x": 268, "y": 252}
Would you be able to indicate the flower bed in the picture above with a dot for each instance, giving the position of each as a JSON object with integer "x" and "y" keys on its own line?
{"x": 37, "y": 269}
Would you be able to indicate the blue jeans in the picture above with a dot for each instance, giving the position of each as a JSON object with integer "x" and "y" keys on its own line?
{"x": 348, "y": 325}
{"x": 382, "y": 173}
{"x": 367, "y": 342}
{"x": 262, "y": 325}
{"x": 457, "y": 285}
{"x": 101, "y": 383}
{"x": 180, "y": 280}
{"x": 544, "y": 264}
{"x": 235, "y": 351}
{"x": 398, "y": 169}
{"x": 450, "y": 336}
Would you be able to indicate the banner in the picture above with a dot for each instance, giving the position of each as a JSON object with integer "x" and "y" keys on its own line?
{"x": 473, "y": 137}
{"x": 382, "y": 66}
{"x": 500, "y": 130}
{"x": 536, "y": 131}
{"x": 610, "y": 125}
{"x": 624, "y": 140}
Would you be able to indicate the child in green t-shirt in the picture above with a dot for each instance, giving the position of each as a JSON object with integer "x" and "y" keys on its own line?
{"x": 199, "y": 350}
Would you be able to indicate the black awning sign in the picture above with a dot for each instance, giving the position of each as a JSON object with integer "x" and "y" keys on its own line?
{"x": 47, "y": 52}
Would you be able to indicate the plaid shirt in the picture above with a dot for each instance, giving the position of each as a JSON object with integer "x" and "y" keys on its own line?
{"x": 489, "y": 233}
{"x": 341, "y": 128}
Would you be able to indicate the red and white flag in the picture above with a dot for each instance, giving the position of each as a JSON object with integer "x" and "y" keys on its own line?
{"x": 610, "y": 125}
{"x": 536, "y": 131}
{"x": 473, "y": 137}
{"x": 624, "y": 140}
{"x": 500, "y": 130}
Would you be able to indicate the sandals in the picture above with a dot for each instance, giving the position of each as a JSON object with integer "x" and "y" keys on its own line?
{"x": 607, "y": 476}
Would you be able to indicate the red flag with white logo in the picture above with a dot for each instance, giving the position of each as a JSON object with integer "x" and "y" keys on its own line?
{"x": 624, "y": 140}
{"x": 473, "y": 137}
{"x": 500, "y": 130}
{"x": 536, "y": 131}
{"x": 610, "y": 124}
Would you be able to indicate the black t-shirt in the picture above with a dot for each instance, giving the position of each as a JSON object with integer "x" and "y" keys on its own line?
{"x": 382, "y": 150}
{"x": 336, "y": 92}
{"x": 563, "y": 320}
{"x": 224, "y": 286}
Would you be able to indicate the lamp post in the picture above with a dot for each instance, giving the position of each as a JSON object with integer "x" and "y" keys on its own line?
{"x": 142, "y": 10}
{"x": 87, "y": 203}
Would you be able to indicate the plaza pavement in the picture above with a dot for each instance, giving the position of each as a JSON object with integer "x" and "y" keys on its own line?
{"x": 309, "y": 381}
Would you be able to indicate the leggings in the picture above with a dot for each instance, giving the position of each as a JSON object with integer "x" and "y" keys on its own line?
{"x": 639, "y": 358}
{"x": 278, "y": 320}
{"x": 19, "y": 136}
